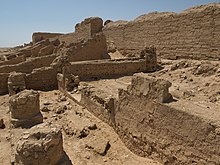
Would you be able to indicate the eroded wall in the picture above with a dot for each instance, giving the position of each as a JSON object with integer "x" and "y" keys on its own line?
{"x": 12, "y": 61}
{"x": 29, "y": 65}
{"x": 39, "y": 36}
{"x": 169, "y": 134}
{"x": 84, "y": 30}
{"x": 107, "y": 68}
{"x": 94, "y": 48}
{"x": 42, "y": 79}
{"x": 194, "y": 33}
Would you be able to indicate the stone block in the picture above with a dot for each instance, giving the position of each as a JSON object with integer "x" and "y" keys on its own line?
{"x": 42, "y": 144}
{"x": 25, "y": 109}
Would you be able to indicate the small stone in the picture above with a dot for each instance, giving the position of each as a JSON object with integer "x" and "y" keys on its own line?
{"x": 61, "y": 109}
{"x": 63, "y": 98}
{"x": 47, "y": 103}
{"x": 105, "y": 160}
{"x": 92, "y": 127}
{"x": 83, "y": 133}
{"x": 99, "y": 145}
{"x": 45, "y": 109}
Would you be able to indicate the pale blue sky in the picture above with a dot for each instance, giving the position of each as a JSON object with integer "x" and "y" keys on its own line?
{"x": 20, "y": 18}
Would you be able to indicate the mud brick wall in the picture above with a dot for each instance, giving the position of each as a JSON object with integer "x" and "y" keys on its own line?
{"x": 39, "y": 36}
{"x": 84, "y": 30}
{"x": 194, "y": 33}
{"x": 42, "y": 79}
{"x": 106, "y": 68}
{"x": 12, "y": 61}
{"x": 28, "y": 66}
{"x": 93, "y": 49}
{"x": 166, "y": 134}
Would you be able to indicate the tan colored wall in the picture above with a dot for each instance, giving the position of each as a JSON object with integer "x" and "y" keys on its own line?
{"x": 42, "y": 79}
{"x": 93, "y": 49}
{"x": 106, "y": 68}
{"x": 45, "y": 78}
{"x": 169, "y": 135}
{"x": 28, "y": 66}
{"x": 12, "y": 61}
{"x": 39, "y": 36}
{"x": 84, "y": 30}
{"x": 194, "y": 33}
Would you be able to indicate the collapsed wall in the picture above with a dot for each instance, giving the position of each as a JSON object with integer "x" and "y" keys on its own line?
{"x": 84, "y": 30}
{"x": 39, "y": 36}
{"x": 149, "y": 127}
{"x": 94, "y": 48}
{"x": 193, "y": 33}
{"x": 107, "y": 68}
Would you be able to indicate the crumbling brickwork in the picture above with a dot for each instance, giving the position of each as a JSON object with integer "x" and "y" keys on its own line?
{"x": 39, "y": 36}
{"x": 192, "y": 34}
{"x": 169, "y": 134}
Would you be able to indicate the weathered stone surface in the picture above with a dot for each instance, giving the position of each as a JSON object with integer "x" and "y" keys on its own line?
{"x": 37, "y": 47}
{"x": 16, "y": 83}
{"x": 47, "y": 50}
{"x": 100, "y": 146}
{"x": 39, "y": 36}
{"x": 151, "y": 88}
{"x": 149, "y": 53}
{"x": 93, "y": 24}
{"x": 25, "y": 109}
{"x": 42, "y": 144}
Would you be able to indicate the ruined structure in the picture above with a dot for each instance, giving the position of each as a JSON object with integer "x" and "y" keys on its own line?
{"x": 192, "y": 34}
{"x": 39, "y": 36}
{"x": 153, "y": 129}
{"x": 128, "y": 93}
{"x": 25, "y": 109}
{"x": 43, "y": 144}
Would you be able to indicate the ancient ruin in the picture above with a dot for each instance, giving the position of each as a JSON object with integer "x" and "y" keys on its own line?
{"x": 42, "y": 145}
{"x": 25, "y": 109}
{"x": 105, "y": 95}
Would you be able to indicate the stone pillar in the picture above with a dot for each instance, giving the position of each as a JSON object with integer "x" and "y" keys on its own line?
{"x": 42, "y": 144}
{"x": 25, "y": 109}
{"x": 149, "y": 53}
{"x": 16, "y": 83}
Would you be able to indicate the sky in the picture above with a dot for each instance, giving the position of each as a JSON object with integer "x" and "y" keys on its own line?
{"x": 20, "y": 18}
